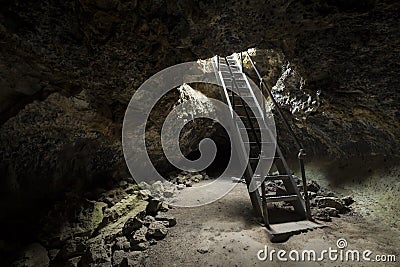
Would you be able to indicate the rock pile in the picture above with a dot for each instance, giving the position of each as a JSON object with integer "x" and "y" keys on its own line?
{"x": 113, "y": 230}
{"x": 325, "y": 203}
{"x": 177, "y": 181}
{"x": 188, "y": 178}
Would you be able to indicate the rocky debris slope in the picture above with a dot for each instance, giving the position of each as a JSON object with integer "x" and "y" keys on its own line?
{"x": 168, "y": 189}
{"x": 325, "y": 204}
{"x": 113, "y": 230}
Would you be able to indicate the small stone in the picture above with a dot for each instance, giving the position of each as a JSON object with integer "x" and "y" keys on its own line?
{"x": 180, "y": 186}
{"x": 157, "y": 230}
{"x": 202, "y": 250}
{"x": 164, "y": 207}
{"x": 152, "y": 242}
{"x": 167, "y": 218}
{"x": 197, "y": 176}
{"x": 196, "y": 180}
{"x": 180, "y": 180}
{"x": 348, "y": 200}
{"x": 327, "y": 193}
{"x": 188, "y": 184}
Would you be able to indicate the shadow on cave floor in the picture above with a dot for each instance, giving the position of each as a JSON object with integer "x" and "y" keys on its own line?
{"x": 339, "y": 172}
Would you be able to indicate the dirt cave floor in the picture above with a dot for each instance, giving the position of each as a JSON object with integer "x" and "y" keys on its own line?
{"x": 225, "y": 233}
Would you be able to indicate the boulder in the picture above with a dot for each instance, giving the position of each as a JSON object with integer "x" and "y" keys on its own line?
{"x": 312, "y": 186}
{"x": 122, "y": 243}
{"x": 33, "y": 255}
{"x": 332, "y": 202}
{"x": 157, "y": 188}
{"x": 119, "y": 256}
{"x": 97, "y": 253}
{"x": 73, "y": 262}
{"x": 72, "y": 248}
{"x": 153, "y": 206}
{"x": 131, "y": 225}
{"x": 138, "y": 237}
{"x": 321, "y": 215}
{"x": 331, "y": 212}
{"x": 157, "y": 230}
{"x": 144, "y": 194}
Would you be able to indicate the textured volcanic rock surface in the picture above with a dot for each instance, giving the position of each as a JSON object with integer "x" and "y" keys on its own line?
{"x": 91, "y": 56}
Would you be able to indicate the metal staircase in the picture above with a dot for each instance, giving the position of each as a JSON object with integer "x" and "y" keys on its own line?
{"x": 255, "y": 131}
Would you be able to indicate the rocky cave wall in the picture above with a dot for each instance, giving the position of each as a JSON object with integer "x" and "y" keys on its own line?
{"x": 68, "y": 70}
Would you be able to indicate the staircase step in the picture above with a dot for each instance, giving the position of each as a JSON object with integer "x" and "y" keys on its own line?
{"x": 245, "y": 106}
{"x": 250, "y": 129}
{"x": 253, "y": 142}
{"x": 277, "y": 177}
{"x": 264, "y": 158}
{"x": 251, "y": 117}
{"x": 271, "y": 199}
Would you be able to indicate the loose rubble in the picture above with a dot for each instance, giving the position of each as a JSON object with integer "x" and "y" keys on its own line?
{"x": 325, "y": 204}
{"x": 115, "y": 229}
{"x": 177, "y": 182}
{"x": 119, "y": 226}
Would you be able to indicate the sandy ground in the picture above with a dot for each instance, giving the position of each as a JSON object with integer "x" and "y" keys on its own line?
{"x": 225, "y": 233}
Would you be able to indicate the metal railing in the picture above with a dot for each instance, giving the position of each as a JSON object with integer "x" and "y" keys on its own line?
{"x": 301, "y": 154}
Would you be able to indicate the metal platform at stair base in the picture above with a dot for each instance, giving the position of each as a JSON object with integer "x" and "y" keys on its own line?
{"x": 280, "y": 232}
